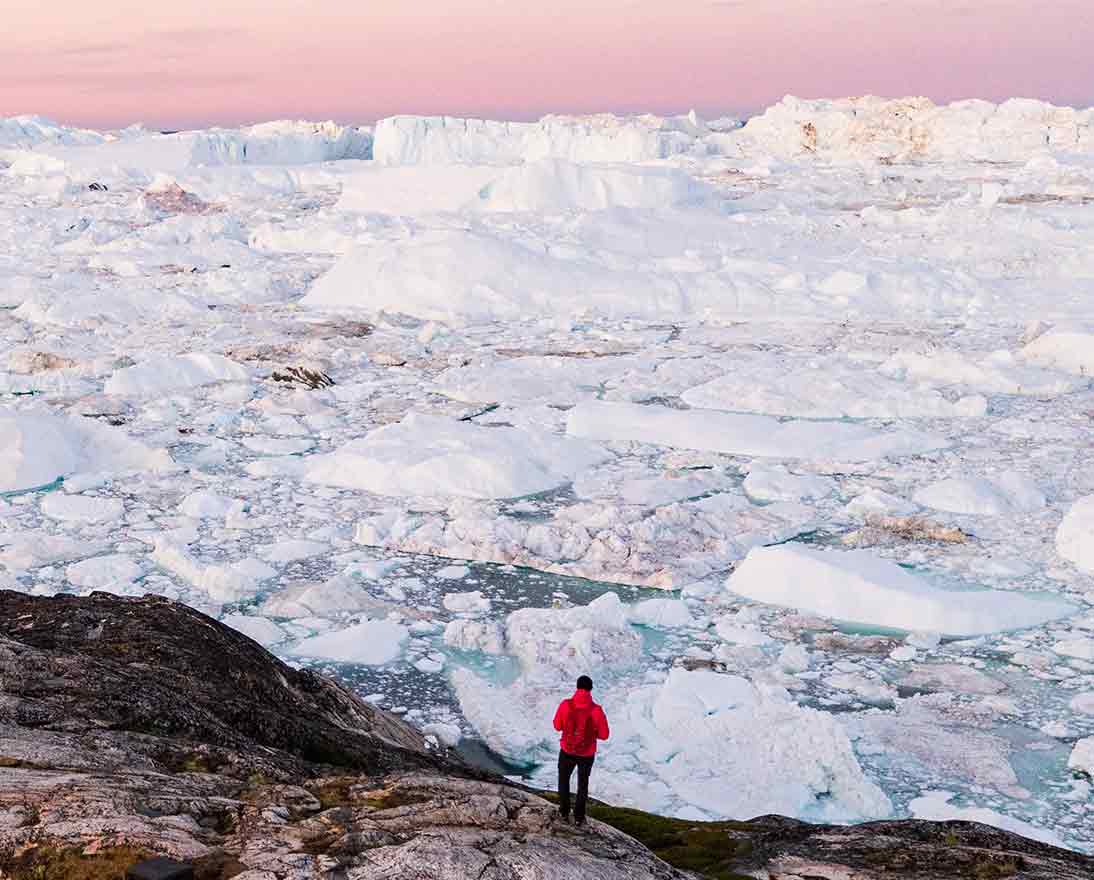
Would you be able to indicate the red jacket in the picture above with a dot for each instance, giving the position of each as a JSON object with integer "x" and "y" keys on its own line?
{"x": 599, "y": 719}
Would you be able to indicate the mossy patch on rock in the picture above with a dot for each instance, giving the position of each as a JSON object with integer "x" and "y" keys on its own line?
{"x": 710, "y": 849}
{"x": 53, "y": 863}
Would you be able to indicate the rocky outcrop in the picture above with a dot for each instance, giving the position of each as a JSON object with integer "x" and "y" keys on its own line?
{"x": 785, "y": 849}
{"x": 133, "y": 727}
{"x": 151, "y": 674}
{"x": 138, "y": 727}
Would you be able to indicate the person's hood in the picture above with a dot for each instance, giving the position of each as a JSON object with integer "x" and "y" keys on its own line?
{"x": 582, "y": 698}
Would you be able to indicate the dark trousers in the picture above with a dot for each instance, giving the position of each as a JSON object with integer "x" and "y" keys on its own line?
{"x": 566, "y": 764}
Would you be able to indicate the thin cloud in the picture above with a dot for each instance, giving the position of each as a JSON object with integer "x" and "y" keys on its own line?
{"x": 197, "y": 34}
{"x": 99, "y": 81}
{"x": 181, "y": 40}
{"x": 90, "y": 49}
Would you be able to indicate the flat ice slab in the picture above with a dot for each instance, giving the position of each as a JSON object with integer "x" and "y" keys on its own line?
{"x": 858, "y": 587}
{"x": 935, "y": 806}
{"x": 1075, "y": 536}
{"x": 1071, "y": 350}
{"x": 372, "y": 642}
{"x": 742, "y": 434}
{"x": 558, "y": 186}
{"x": 159, "y": 375}
{"x": 470, "y": 274}
{"x": 434, "y": 455}
{"x": 832, "y": 389}
{"x": 37, "y": 449}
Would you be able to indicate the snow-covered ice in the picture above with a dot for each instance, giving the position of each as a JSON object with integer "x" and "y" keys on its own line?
{"x": 371, "y": 642}
{"x": 738, "y": 434}
{"x": 36, "y": 449}
{"x": 935, "y": 806}
{"x": 1075, "y": 536}
{"x": 161, "y": 375}
{"x": 1082, "y": 757}
{"x": 431, "y": 455}
{"x": 856, "y": 586}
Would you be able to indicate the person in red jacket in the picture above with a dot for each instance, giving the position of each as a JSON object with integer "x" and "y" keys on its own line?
{"x": 581, "y": 722}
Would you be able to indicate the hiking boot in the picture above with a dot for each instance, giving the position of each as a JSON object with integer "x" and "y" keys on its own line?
{"x": 579, "y": 821}
{"x": 565, "y": 817}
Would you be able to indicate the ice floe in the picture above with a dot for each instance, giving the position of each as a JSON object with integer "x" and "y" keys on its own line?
{"x": 36, "y": 449}
{"x": 160, "y": 375}
{"x": 935, "y": 806}
{"x": 856, "y": 586}
{"x": 738, "y": 434}
{"x": 433, "y": 455}
{"x": 1075, "y": 536}
{"x": 372, "y": 642}
{"x": 1008, "y": 493}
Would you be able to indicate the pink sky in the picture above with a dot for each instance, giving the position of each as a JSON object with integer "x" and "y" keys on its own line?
{"x": 192, "y": 62}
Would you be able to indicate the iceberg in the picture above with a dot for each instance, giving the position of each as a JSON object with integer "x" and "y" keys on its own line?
{"x": 434, "y": 455}
{"x": 858, "y": 587}
{"x": 37, "y": 449}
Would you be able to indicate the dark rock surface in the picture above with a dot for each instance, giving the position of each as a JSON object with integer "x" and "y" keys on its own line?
{"x": 909, "y": 849}
{"x": 155, "y": 667}
{"x": 139, "y": 727}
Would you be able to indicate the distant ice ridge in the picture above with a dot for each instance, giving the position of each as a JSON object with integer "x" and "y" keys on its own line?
{"x": 432, "y": 140}
{"x": 908, "y": 128}
{"x": 852, "y": 128}
{"x": 285, "y": 142}
{"x": 24, "y": 132}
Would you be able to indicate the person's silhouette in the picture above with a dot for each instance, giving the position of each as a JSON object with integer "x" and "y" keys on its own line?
{"x": 581, "y": 722}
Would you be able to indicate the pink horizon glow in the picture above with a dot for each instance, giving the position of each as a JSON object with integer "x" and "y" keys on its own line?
{"x": 115, "y": 62}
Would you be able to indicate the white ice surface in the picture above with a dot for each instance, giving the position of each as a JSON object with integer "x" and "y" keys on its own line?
{"x": 1070, "y": 350}
{"x": 222, "y": 582}
{"x": 1082, "y": 756}
{"x": 856, "y": 586}
{"x": 36, "y": 449}
{"x": 113, "y": 572}
{"x": 413, "y": 140}
{"x": 464, "y": 275}
{"x": 432, "y": 455}
{"x": 852, "y": 129}
{"x": 160, "y": 375}
{"x": 1008, "y": 494}
{"x": 81, "y": 508}
{"x": 1075, "y": 536}
{"x": 935, "y": 806}
{"x": 556, "y": 186}
{"x": 372, "y": 642}
{"x": 764, "y": 384}
{"x": 261, "y": 629}
{"x": 674, "y": 744}
{"x": 739, "y": 434}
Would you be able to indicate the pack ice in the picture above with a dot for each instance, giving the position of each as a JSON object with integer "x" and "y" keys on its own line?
{"x": 437, "y": 404}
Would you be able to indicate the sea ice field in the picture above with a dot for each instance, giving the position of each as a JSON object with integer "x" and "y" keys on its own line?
{"x": 782, "y": 431}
